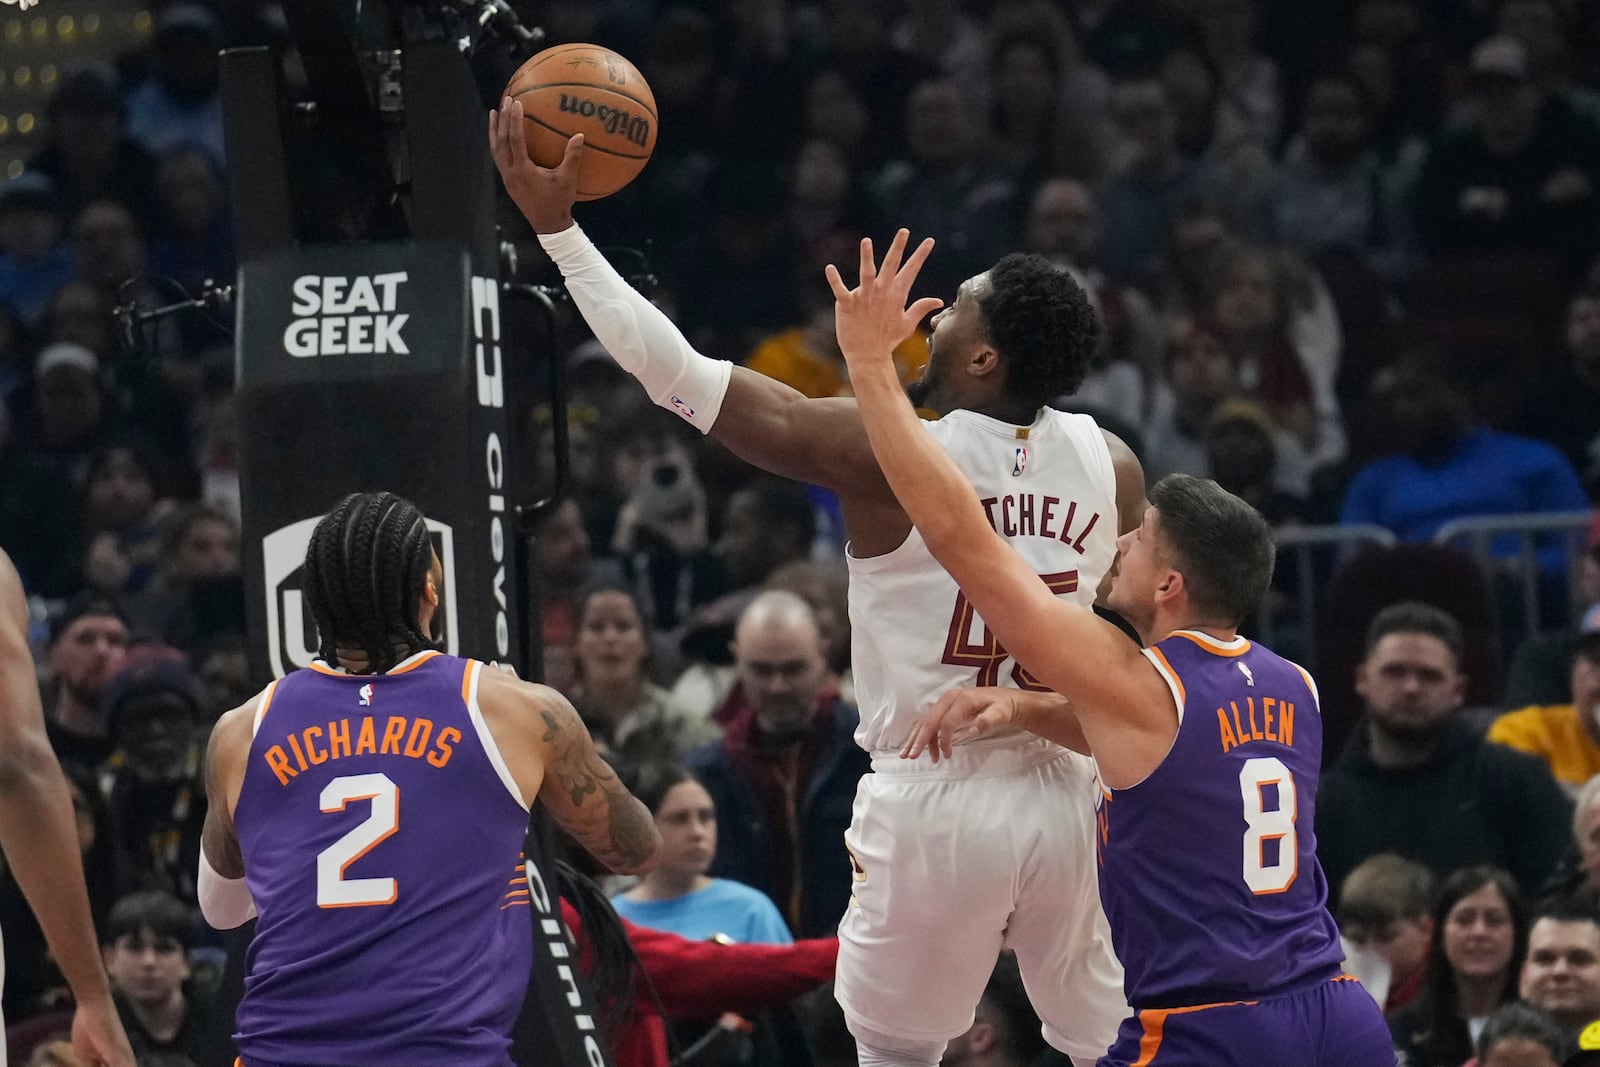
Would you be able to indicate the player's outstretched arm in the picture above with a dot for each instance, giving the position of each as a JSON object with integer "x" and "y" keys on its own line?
{"x": 763, "y": 421}
{"x": 37, "y": 831}
{"x": 1066, "y": 646}
{"x": 963, "y": 714}
{"x": 551, "y": 756}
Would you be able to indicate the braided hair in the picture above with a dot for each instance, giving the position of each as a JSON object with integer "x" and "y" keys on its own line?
{"x": 366, "y": 565}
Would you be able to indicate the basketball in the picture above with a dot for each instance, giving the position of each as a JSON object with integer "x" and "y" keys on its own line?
{"x": 583, "y": 88}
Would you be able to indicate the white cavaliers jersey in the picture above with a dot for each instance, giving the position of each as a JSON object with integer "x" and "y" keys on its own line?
{"x": 1049, "y": 489}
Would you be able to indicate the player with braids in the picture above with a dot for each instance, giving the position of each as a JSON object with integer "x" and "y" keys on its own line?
{"x": 1012, "y": 862}
{"x": 415, "y": 950}
{"x": 375, "y": 542}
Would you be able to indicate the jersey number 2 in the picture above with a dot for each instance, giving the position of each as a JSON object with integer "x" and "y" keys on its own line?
{"x": 1263, "y": 825}
{"x": 334, "y": 890}
{"x": 964, "y": 648}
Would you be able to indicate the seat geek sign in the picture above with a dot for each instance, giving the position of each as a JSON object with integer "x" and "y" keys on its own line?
{"x": 355, "y": 311}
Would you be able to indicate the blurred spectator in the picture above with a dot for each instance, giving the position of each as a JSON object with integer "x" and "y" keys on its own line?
{"x": 1284, "y": 333}
{"x": 179, "y": 103}
{"x": 1063, "y": 225}
{"x": 34, "y": 260}
{"x": 1562, "y": 405}
{"x": 834, "y": 110}
{"x": 88, "y": 639}
{"x": 71, "y": 413}
{"x": 1005, "y": 1031}
{"x": 938, "y": 34}
{"x": 148, "y": 940}
{"x": 88, "y": 153}
{"x": 1250, "y": 109}
{"x": 1450, "y": 466}
{"x": 1561, "y": 975}
{"x": 1245, "y": 452}
{"x": 824, "y": 586}
{"x": 563, "y": 568}
{"x": 736, "y": 277}
{"x": 1202, "y": 376}
{"x": 1419, "y": 781}
{"x": 1149, "y": 179}
{"x": 1521, "y": 174}
{"x": 784, "y": 775}
{"x": 222, "y": 669}
{"x": 946, "y": 188}
{"x": 199, "y": 558}
{"x": 82, "y": 314}
{"x": 38, "y": 513}
{"x": 195, "y": 242}
{"x": 1523, "y": 1036}
{"x": 1032, "y": 134}
{"x": 1566, "y": 736}
{"x": 634, "y": 718}
{"x": 827, "y": 206}
{"x": 1546, "y": 31}
{"x": 121, "y": 546}
{"x": 857, "y": 41}
{"x": 156, "y": 796}
{"x": 1335, "y": 192}
{"x": 1480, "y": 935}
{"x": 1578, "y": 876}
{"x": 678, "y": 896}
{"x": 1384, "y": 912}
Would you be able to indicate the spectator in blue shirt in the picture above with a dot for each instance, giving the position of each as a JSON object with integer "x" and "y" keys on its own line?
{"x": 1450, "y": 466}
{"x": 678, "y": 896}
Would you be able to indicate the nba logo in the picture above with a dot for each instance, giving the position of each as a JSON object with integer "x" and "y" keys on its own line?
{"x": 366, "y": 695}
{"x": 1019, "y": 462}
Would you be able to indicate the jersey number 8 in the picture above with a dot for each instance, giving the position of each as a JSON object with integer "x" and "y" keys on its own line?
{"x": 1263, "y": 824}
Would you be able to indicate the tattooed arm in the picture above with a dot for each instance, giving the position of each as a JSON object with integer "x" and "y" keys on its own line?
{"x": 552, "y": 757}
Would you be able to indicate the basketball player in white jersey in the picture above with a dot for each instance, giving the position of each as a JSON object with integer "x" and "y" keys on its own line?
{"x": 36, "y": 831}
{"x": 1010, "y": 859}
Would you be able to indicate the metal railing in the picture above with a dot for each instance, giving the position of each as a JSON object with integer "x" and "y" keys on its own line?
{"x": 1311, "y": 553}
{"x": 1537, "y": 534}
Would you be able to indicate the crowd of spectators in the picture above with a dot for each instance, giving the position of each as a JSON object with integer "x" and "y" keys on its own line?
{"x": 1344, "y": 256}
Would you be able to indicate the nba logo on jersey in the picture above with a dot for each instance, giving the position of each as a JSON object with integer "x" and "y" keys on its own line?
{"x": 366, "y": 695}
{"x": 683, "y": 407}
{"x": 1249, "y": 679}
{"x": 1019, "y": 462}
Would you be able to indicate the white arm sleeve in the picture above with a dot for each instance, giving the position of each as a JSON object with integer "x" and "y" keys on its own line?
{"x": 225, "y": 902}
{"x": 642, "y": 340}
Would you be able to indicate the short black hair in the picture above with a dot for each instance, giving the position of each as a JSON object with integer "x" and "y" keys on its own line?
{"x": 159, "y": 913}
{"x": 85, "y": 604}
{"x": 1415, "y": 617}
{"x": 1519, "y": 1020}
{"x": 1040, "y": 320}
{"x": 1566, "y": 908}
{"x": 1225, "y": 548}
{"x": 651, "y": 782}
{"x": 366, "y": 565}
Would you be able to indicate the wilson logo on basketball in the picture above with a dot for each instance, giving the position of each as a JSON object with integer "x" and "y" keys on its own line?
{"x": 618, "y": 121}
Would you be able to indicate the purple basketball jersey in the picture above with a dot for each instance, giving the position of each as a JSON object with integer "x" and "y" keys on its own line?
{"x": 382, "y": 840}
{"x": 1208, "y": 867}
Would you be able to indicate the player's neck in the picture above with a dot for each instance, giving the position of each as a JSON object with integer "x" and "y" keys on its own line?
{"x": 1004, "y": 409}
{"x": 1477, "y": 996}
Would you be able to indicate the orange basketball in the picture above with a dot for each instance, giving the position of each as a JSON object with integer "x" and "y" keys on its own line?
{"x": 583, "y": 88}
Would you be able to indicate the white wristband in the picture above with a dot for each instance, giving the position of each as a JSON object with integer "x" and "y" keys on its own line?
{"x": 642, "y": 340}
{"x": 225, "y": 902}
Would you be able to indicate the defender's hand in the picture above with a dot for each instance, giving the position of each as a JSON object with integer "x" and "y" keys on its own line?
{"x": 959, "y": 716}
{"x": 544, "y": 195}
{"x": 872, "y": 318}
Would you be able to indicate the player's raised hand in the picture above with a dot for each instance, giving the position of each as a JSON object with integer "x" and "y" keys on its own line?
{"x": 959, "y": 716}
{"x": 544, "y": 194}
{"x": 872, "y": 318}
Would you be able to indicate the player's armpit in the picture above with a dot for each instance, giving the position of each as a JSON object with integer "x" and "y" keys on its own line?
{"x": 784, "y": 432}
{"x": 224, "y": 775}
{"x": 583, "y": 793}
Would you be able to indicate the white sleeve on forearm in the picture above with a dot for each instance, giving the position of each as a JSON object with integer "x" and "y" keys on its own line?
{"x": 642, "y": 340}
{"x": 225, "y": 902}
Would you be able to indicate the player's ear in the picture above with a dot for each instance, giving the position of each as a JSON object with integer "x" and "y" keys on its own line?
{"x": 983, "y": 362}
